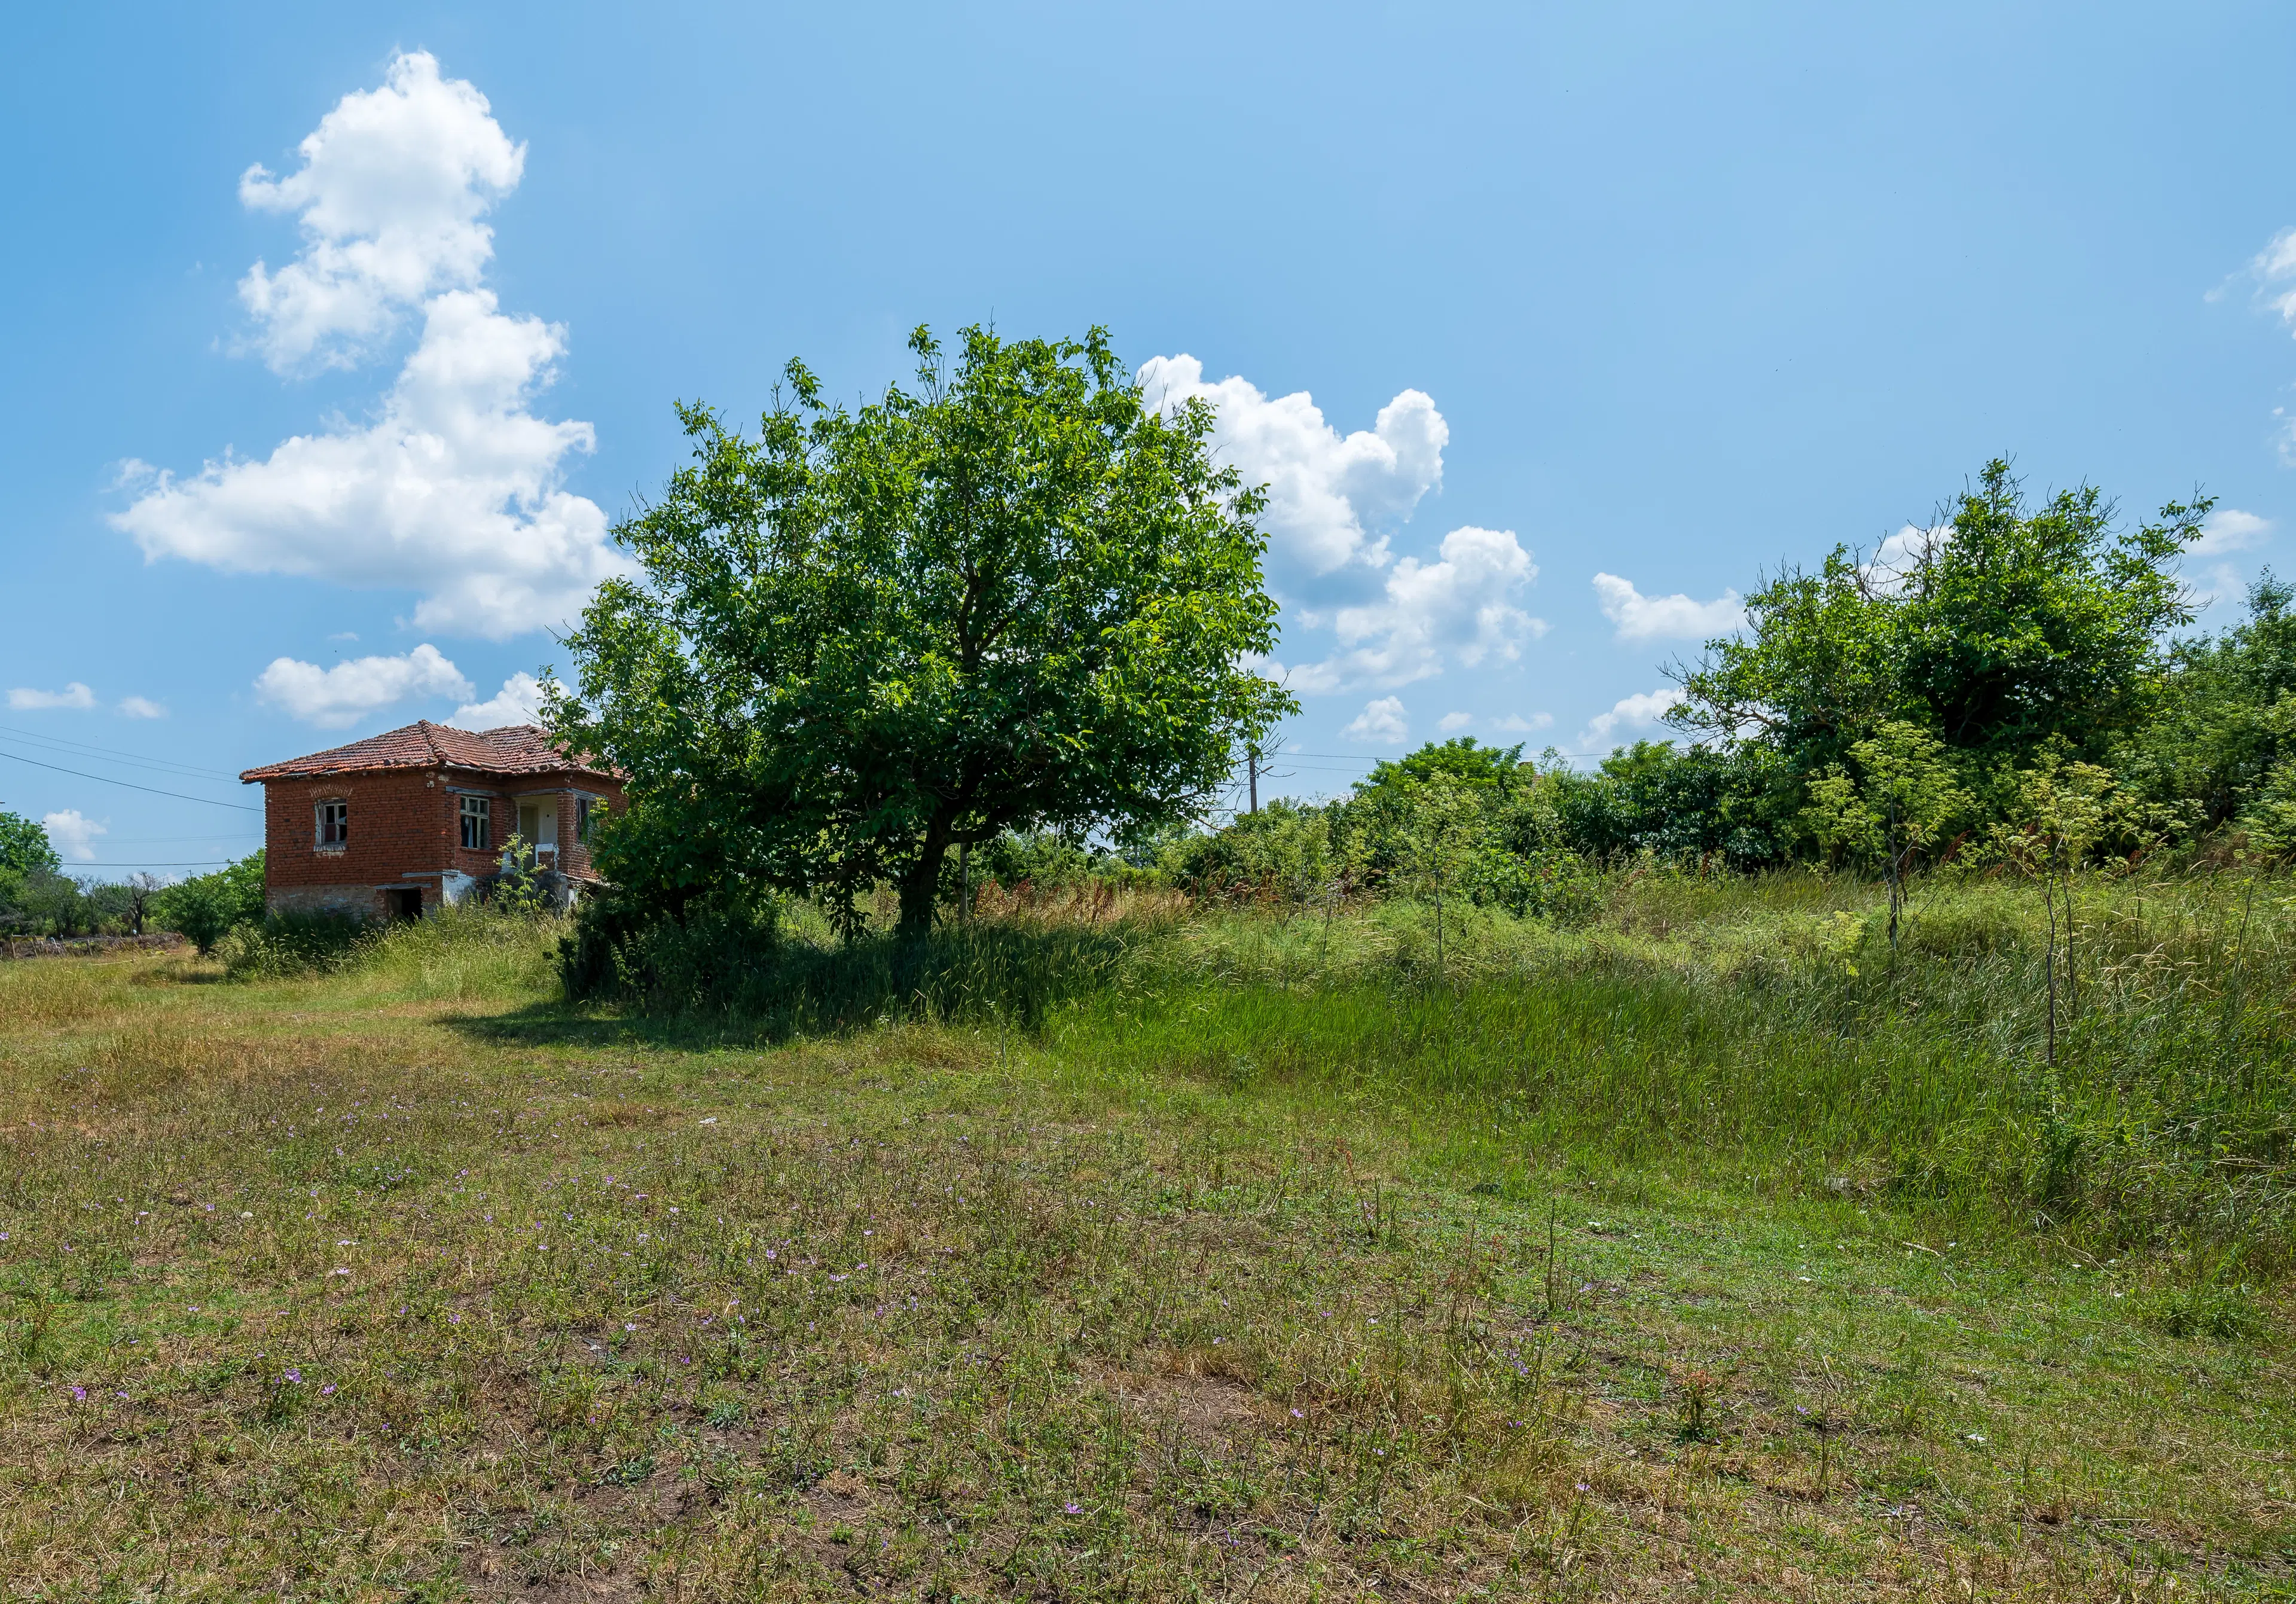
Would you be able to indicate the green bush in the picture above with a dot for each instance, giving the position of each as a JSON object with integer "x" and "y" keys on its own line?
{"x": 288, "y": 945}
{"x": 1287, "y": 853}
{"x": 776, "y": 983}
{"x": 207, "y": 907}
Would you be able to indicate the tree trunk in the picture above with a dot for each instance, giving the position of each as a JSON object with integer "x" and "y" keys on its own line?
{"x": 921, "y": 886}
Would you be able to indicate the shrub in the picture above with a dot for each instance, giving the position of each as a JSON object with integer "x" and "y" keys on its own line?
{"x": 780, "y": 982}
{"x": 205, "y": 908}
{"x": 288, "y": 945}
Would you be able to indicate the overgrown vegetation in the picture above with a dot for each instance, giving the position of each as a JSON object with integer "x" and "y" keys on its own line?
{"x": 1110, "y": 1247}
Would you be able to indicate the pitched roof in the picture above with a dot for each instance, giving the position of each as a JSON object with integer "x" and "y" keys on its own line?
{"x": 514, "y": 748}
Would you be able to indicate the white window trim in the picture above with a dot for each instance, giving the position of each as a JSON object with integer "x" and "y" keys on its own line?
{"x": 462, "y": 816}
{"x": 319, "y": 842}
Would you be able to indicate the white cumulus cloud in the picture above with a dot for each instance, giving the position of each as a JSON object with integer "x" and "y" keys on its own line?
{"x": 341, "y": 696}
{"x": 1449, "y": 722}
{"x": 1678, "y": 617}
{"x": 454, "y": 488}
{"x": 74, "y": 695}
{"x": 1630, "y": 713}
{"x": 140, "y": 707}
{"x": 1332, "y": 499}
{"x": 389, "y": 196}
{"x": 1515, "y": 724}
{"x": 519, "y": 702}
{"x": 2227, "y": 529}
{"x": 1383, "y": 721}
{"x": 1460, "y": 607}
{"x": 73, "y": 834}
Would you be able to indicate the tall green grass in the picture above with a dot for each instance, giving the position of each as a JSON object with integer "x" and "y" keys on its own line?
{"x": 457, "y": 953}
{"x": 1759, "y": 1029}
{"x": 1766, "y": 1028}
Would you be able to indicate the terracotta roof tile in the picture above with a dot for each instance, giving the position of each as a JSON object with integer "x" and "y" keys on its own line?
{"x": 514, "y": 748}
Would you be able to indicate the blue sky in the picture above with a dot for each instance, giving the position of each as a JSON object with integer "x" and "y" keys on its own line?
{"x": 1553, "y": 326}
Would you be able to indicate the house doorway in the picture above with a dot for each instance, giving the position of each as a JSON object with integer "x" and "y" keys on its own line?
{"x": 538, "y": 822}
{"x": 407, "y": 904}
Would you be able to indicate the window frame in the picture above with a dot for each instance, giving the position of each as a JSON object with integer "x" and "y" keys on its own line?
{"x": 481, "y": 810}
{"x": 340, "y": 808}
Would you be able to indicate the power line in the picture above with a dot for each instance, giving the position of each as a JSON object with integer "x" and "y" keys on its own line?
{"x": 169, "y": 770}
{"x": 108, "y": 780}
{"x": 74, "y": 748}
{"x": 1357, "y": 757}
{"x": 195, "y": 863}
{"x": 212, "y": 835}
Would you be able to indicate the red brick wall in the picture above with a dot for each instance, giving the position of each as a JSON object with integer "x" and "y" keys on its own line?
{"x": 406, "y": 826}
{"x": 397, "y": 829}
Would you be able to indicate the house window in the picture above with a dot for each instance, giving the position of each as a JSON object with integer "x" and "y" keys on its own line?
{"x": 334, "y": 824}
{"x": 587, "y": 811}
{"x": 478, "y": 818}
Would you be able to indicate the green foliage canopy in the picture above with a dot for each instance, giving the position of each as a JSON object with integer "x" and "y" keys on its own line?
{"x": 2006, "y": 628}
{"x": 1462, "y": 759}
{"x": 207, "y": 907}
{"x": 25, "y": 846}
{"x": 2217, "y": 740}
{"x": 1013, "y": 598}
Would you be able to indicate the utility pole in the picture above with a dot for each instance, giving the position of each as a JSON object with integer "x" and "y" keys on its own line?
{"x": 1251, "y": 762}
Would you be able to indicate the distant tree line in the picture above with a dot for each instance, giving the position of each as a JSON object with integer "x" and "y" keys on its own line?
{"x": 38, "y": 899}
{"x": 2010, "y": 685}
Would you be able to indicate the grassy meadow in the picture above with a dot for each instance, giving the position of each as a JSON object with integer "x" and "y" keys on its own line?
{"x": 1110, "y": 1248}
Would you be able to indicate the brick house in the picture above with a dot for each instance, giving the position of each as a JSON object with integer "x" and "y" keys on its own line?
{"x": 404, "y": 822}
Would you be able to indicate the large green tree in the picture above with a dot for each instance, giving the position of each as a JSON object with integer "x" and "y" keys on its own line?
{"x": 25, "y": 846}
{"x": 2009, "y": 628}
{"x": 1012, "y": 597}
{"x": 27, "y": 859}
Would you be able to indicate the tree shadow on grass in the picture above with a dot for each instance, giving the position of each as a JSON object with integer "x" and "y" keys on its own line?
{"x": 752, "y": 995}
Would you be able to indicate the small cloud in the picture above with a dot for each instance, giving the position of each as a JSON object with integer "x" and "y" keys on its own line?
{"x": 1678, "y": 617}
{"x": 1458, "y": 607}
{"x": 345, "y": 635}
{"x": 1383, "y": 720}
{"x": 73, "y": 834}
{"x": 2229, "y": 530}
{"x": 2224, "y": 585}
{"x": 519, "y": 702}
{"x": 74, "y": 695}
{"x": 1515, "y": 724}
{"x": 1452, "y": 721}
{"x": 1630, "y": 712}
{"x": 140, "y": 707}
{"x": 332, "y": 698}
{"x": 2274, "y": 268}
